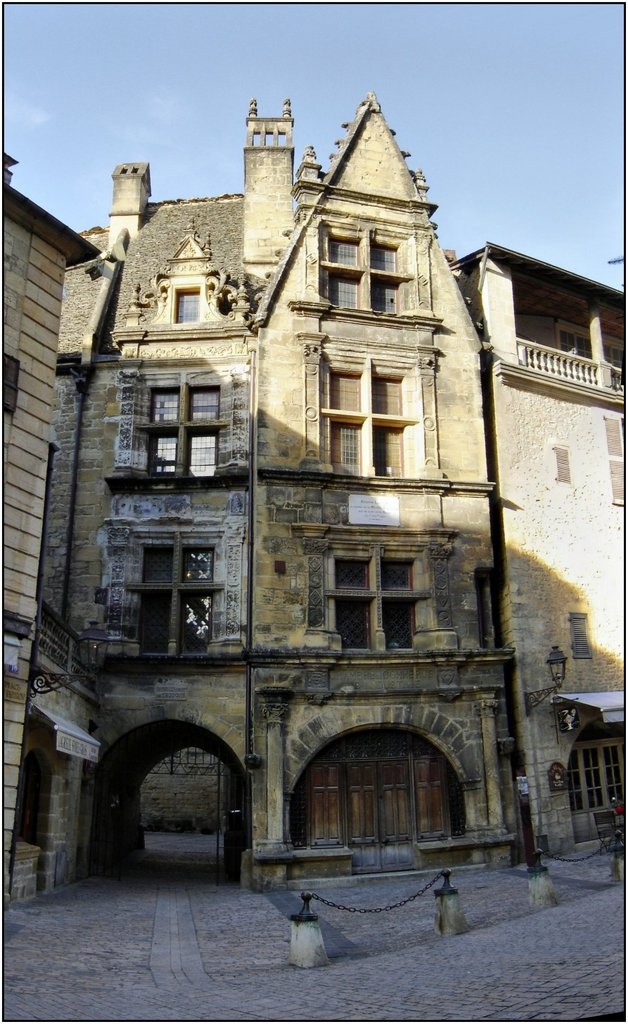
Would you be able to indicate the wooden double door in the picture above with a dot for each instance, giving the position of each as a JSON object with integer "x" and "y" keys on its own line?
{"x": 379, "y": 807}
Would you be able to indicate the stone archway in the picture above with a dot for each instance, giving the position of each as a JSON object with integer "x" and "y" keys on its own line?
{"x": 377, "y": 792}
{"x": 116, "y": 813}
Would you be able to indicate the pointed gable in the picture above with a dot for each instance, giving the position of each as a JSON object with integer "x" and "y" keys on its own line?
{"x": 369, "y": 159}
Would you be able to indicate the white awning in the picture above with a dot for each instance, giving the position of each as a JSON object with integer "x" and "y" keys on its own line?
{"x": 609, "y": 702}
{"x": 70, "y": 739}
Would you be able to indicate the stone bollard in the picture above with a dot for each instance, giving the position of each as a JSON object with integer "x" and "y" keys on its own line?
{"x": 449, "y": 918}
{"x": 540, "y": 887}
{"x": 618, "y": 858}
{"x": 306, "y": 942}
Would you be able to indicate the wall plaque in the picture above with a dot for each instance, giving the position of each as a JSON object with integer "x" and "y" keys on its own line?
{"x": 557, "y": 775}
{"x": 374, "y": 509}
{"x": 170, "y": 689}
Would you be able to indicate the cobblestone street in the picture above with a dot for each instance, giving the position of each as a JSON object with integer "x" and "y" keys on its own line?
{"x": 166, "y": 942}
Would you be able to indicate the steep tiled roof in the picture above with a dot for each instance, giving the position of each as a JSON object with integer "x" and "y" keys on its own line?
{"x": 164, "y": 227}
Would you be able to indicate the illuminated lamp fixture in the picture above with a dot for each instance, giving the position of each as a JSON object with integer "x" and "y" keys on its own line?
{"x": 557, "y": 662}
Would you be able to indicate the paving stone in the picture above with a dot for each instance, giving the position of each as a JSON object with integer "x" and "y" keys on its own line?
{"x": 166, "y": 942}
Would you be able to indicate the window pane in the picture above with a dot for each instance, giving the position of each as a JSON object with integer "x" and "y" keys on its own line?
{"x": 383, "y": 297}
{"x": 343, "y": 292}
{"x": 387, "y": 452}
{"x": 351, "y": 574}
{"x": 188, "y": 307}
{"x": 396, "y": 575}
{"x": 612, "y": 768}
{"x": 196, "y": 625}
{"x": 382, "y": 258}
{"x": 352, "y": 623}
{"x": 343, "y": 252}
{"x": 592, "y": 777}
{"x": 397, "y": 619}
{"x": 344, "y": 392}
{"x": 345, "y": 447}
{"x": 386, "y": 396}
{"x": 157, "y": 565}
{"x": 575, "y": 344}
{"x": 155, "y": 623}
{"x": 198, "y": 564}
{"x": 203, "y": 454}
{"x": 574, "y": 782}
{"x": 204, "y": 403}
{"x": 163, "y": 455}
{"x": 165, "y": 407}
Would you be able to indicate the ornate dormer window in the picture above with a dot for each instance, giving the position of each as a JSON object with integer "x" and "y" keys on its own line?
{"x": 192, "y": 290}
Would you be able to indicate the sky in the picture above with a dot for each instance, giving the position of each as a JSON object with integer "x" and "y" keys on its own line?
{"x": 514, "y": 112}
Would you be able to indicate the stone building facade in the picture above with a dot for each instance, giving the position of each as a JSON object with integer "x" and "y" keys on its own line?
{"x": 272, "y": 493}
{"x": 37, "y": 249}
{"x": 553, "y": 357}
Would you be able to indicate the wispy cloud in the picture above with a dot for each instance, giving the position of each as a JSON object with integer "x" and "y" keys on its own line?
{"x": 21, "y": 112}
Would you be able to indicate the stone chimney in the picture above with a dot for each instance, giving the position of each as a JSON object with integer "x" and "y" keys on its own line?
{"x": 268, "y": 169}
{"x": 131, "y": 189}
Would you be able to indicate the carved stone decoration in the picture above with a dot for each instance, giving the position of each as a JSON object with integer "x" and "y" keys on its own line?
{"x": 426, "y": 367}
{"x": 240, "y": 421}
{"x": 316, "y": 679}
{"x": 311, "y": 365}
{"x": 439, "y": 555}
{"x": 274, "y": 703}
{"x": 222, "y": 301}
{"x": 117, "y": 551}
{"x": 232, "y": 590}
{"x": 315, "y": 597}
{"x": 126, "y": 382}
{"x": 252, "y": 108}
{"x": 319, "y": 698}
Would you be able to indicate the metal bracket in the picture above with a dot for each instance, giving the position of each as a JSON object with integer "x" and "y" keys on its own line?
{"x": 46, "y": 682}
{"x": 534, "y": 698}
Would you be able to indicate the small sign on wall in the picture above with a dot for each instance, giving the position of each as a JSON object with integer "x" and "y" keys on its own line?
{"x": 374, "y": 509}
{"x": 568, "y": 719}
{"x": 557, "y": 775}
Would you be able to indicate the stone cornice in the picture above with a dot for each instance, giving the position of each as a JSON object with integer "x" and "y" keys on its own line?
{"x": 515, "y": 376}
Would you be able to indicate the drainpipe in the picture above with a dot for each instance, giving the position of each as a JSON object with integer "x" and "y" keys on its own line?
{"x": 249, "y": 597}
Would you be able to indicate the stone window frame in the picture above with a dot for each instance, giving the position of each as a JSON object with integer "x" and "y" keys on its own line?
{"x": 363, "y": 272}
{"x": 404, "y": 425}
{"x": 375, "y": 595}
{"x": 177, "y": 588}
{"x": 186, "y": 426}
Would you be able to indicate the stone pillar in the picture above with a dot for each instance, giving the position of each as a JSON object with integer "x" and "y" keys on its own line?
{"x": 494, "y": 811}
{"x": 274, "y": 708}
{"x": 311, "y": 365}
{"x": 597, "y": 344}
{"x": 427, "y": 377}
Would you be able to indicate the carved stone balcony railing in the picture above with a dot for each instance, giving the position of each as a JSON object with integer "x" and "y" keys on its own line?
{"x": 58, "y": 643}
{"x": 568, "y": 368}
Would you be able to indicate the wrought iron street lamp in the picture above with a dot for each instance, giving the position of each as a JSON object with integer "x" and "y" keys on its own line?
{"x": 92, "y": 646}
{"x": 557, "y": 662}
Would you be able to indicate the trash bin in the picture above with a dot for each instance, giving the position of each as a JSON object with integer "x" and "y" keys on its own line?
{"x": 234, "y": 844}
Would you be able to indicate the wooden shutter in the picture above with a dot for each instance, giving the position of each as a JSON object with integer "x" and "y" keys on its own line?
{"x": 579, "y": 635}
{"x": 563, "y": 471}
{"x": 615, "y": 445}
{"x": 324, "y": 801}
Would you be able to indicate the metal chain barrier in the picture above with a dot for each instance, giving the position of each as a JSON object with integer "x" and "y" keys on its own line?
{"x": 377, "y": 910}
{"x": 571, "y": 860}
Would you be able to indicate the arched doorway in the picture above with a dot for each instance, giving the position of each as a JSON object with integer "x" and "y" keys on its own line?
{"x": 117, "y": 804}
{"x": 378, "y": 792}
